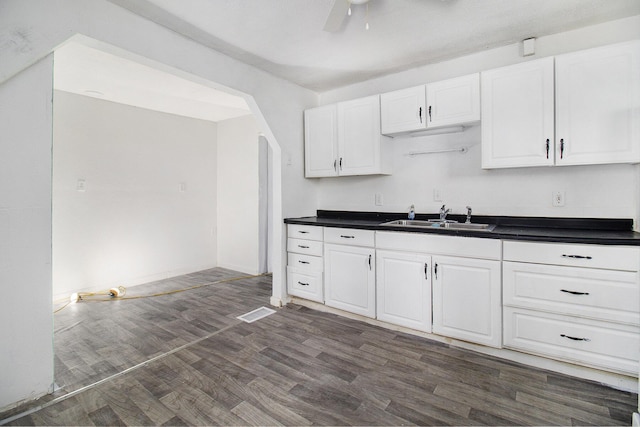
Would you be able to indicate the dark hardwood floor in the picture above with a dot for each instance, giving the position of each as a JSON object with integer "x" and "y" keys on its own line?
{"x": 295, "y": 367}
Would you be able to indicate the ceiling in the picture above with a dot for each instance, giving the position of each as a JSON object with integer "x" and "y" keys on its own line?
{"x": 286, "y": 37}
{"x": 90, "y": 72}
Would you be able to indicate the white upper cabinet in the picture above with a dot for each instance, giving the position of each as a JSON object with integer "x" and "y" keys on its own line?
{"x": 403, "y": 110}
{"x": 444, "y": 103}
{"x": 345, "y": 139}
{"x": 598, "y": 105}
{"x": 454, "y": 101}
{"x": 517, "y": 115}
{"x": 321, "y": 141}
{"x": 596, "y": 111}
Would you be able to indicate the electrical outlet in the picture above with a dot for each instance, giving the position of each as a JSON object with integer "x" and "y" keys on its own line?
{"x": 437, "y": 195}
{"x": 558, "y": 198}
{"x": 81, "y": 185}
{"x": 379, "y": 200}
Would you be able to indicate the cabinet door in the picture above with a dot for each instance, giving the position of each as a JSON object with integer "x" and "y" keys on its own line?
{"x": 359, "y": 136}
{"x": 320, "y": 142}
{"x": 403, "y": 110}
{"x": 598, "y": 105}
{"x": 466, "y": 300}
{"x": 454, "y": 101}
{"x": 518, "y": 115}
{"x": 403, "y": 289}
{"x": 350, "y": 279}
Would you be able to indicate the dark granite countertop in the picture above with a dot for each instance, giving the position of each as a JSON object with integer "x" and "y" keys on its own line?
{"x": 566, "y": 230}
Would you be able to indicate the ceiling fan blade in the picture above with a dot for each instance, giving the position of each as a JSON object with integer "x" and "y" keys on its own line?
{"x": 336, "y": 15}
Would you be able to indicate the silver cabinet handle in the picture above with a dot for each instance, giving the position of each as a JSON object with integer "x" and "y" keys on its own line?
{"x": 303, "y": 232}
{"x": 303, "y": 284}
{"x": 303, "y": 247}
{"x": 303, "y": 262}
{"x": 347, "y": 237}
{"x": 426, "y": 269}
{"x": 435, "y": 271}
{"x": 369, "y": 261}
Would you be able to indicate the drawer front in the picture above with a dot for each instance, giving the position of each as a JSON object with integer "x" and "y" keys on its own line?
{"x": 590, "y": 256}
{"x": 305, "y": 247}
{"x": 467, "y": 247}
{"x": 349, "y": 236}
{"x": 305, "y": 284}
{"x": 599, "y": 294}
{"x": 589, "y": 342}
{"x": 307, "y": 232}
{"x": 305, "y": 262}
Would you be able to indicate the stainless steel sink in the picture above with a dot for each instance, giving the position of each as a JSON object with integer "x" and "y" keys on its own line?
{"x": 439, "y": 224}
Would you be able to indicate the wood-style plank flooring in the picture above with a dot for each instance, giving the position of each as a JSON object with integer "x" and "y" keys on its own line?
{"x": 295, "y": 367}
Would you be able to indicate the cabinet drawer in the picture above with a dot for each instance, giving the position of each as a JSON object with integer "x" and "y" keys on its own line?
{"x": 305, "y": 284}
{"x": 468, "y": 247}
{"x": 599, "y": 294}
{"x": 349, "y": 236}
{"x": 306, "y": 247}
{"x": 591, "y": 256}
{"x": 304, "y": 262}
{"x": 308, "y": 232}
{"x": 590, "y": 342}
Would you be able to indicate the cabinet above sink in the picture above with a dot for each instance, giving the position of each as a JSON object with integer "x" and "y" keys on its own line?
{"x": 435, "y": 105}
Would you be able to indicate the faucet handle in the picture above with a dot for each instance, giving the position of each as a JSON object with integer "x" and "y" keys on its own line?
{"x": 468, "y": 214}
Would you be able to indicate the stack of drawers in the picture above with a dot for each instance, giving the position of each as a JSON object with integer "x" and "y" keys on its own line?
{"x": 577, "y": 303}
{"x": 304, "y": 262}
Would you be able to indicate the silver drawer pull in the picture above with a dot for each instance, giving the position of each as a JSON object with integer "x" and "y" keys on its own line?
{"x": 575, "y": 338}
{"x": 303, "y": 247}
{"x": 576, "y": 256}
{"x": 347, "y": 237}
{"x": 303, "y": 262}
{"x": 303, "y": 284}
{"x": 574, "y": 292}
{"x": 303, "y": 232}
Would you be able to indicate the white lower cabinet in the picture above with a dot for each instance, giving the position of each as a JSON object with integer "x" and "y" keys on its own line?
{"x": 349, "y": 282}
{"x": 467, "y": 300}
{"x": 606, "y": 345}
{"x": 304, "y": 262}
{"x": 403, "y": 289}
{"x": 576, "y": 303}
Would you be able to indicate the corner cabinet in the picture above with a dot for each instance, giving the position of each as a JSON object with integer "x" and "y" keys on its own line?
{"x": 344, "y": 139}
{"x": 439, "y": 104}
{"x": 598, "y": 105}
{"x": 591, "y": 98}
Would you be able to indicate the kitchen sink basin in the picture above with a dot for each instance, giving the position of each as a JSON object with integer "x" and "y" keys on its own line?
{"x": 440, "y": 224}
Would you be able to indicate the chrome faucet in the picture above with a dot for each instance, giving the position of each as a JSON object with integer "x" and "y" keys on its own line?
{"x": 468, "y": 221}
{"x": 443, "y": 213}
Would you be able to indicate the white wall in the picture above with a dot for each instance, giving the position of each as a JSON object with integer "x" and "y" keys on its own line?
{"x": 591, "y": 191}
{"x": 238, "y": 195}
{"x": 29, "y": 31}
{"x": 132, "y": 224}
{"x": 26, "y": 318}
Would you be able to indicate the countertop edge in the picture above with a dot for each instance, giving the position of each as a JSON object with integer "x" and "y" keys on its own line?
{"x": 500, "y": 232}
